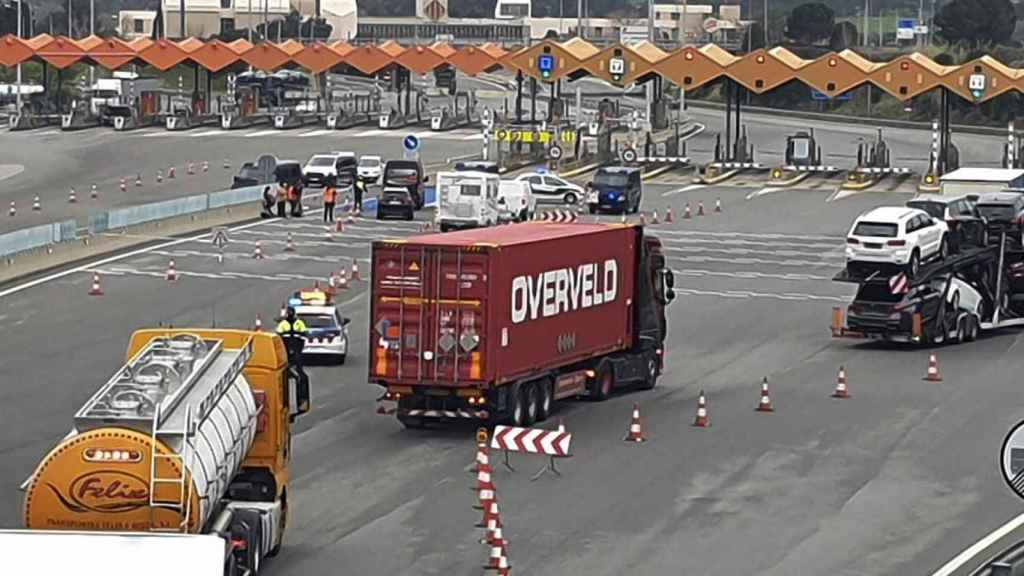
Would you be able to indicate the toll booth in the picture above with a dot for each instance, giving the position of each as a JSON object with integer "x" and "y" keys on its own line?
{"x": 39, "y": 111}
{"x": 519, "y": 144}
{"x": 458, "y": 112}
{"x": 874, "y": 161}
{"x": 192, "y": 112}
{"x": 347, "y": 109}
{"x": 299, "y": 109}
{"x": 241, "y": 108}
{"x": 416, "y": 112}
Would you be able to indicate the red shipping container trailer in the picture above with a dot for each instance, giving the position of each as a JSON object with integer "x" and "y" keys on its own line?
{"x": 498, "y": 323}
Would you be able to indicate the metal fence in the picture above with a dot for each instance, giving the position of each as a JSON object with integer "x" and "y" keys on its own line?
{"x": 99, "y": 222}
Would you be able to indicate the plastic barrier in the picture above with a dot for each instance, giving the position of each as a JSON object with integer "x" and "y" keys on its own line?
{"x": 236, "y": 196}
{"x": 132, "y": 215}
{"x": 37, "y": 236}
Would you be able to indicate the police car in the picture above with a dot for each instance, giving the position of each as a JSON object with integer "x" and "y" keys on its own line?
{"x": 326, "y": 329}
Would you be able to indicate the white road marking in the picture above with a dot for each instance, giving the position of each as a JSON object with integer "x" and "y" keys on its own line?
{"x": 366, "y": 133}
{"x": 767, "y": 235}
{"x": 979, "y": 546}
{"x": 762, "y": 192}
{"x": 756, "y": 261}
{"x": 743, "y": 294}
{"x": 322, "y": 132}
{"x": 259, "y": 133}
{"x": 745, "y": 275}
{"x": 685, "y": 189}
{"x": 206, "y": 133}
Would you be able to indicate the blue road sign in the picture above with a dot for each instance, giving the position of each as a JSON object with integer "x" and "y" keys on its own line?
{"x": 411, "y": 143}
{"x": 546, "y": 63}
{"x": 822, "y": 97}
{"x": 907, "y": 23}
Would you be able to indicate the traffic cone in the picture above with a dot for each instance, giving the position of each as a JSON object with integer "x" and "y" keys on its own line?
{"x": 686, "y": 213}
{"x": 258, "y": 324}
{"x": 191, "y": 169}
{"x": 765, "y": 405}
{"x": 484, "y": 486}
{"x": 483, "y": 456}
{"x": 159, "y": 176}
{"x": 497, "y": 560}
{"x": 718, "y": 204}
{"x": 227, "y": 163}
{"x": 36, "y": 206}
{"x": 13, "y": 211}
{"x": 258, "y": 252}
{"x": 351, "y": 215}
{"x": 841, "y": 390}
{"x": 172, "y": 273}
{"x": 654, "y": 217}
{"x": 170, "y": 173}
{"x": 94, "y": 192}
{"x": 700, "y": 208}
{"x": 288, "y": 245}
{"x": 933, "y": 369}
{"x": 96, "y": 289}
{"x": 342, "y": 281}
{"x": 636, "y": 427}
{"x": 643, "y": 219}
{"x": 339, "y": 226}
{"x": 669, "y": 217}
{"x": 138, "y": 180}
{"x": 124, "y": 185}
{"x": 206, "y": 166}
{"x": 702, "y": 420}
{"x": 71, "y": 197}
{"x": 328, "y": 234}
{"x": 355, "y": 270}
{"x": 622, "y": 219}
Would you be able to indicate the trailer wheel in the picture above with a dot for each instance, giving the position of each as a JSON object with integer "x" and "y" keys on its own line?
{"x": 915, "y": 263}
{"x": 944, "y": 248}
{"x": 546, "y": 399}
{"x": 518, "y": 414}
{"x": 530, "y": 402}
{"x": 961, "y": 330}
{"x": 604, "y": 384}
{"x": 972, "y": 328}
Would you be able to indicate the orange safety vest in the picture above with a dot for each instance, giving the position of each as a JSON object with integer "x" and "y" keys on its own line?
{"x": 330, "y": 194}
{"x": 293, "y": 193}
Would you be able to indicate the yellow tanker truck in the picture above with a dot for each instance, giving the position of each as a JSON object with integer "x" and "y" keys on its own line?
{"x": 180, "y": 461}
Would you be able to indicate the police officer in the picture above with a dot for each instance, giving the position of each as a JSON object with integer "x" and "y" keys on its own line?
{"x": 359, "y": 190}
{"x": 292, "y": 330}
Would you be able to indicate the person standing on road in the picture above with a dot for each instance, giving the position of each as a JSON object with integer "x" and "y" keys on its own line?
{"x": 294, "y": 200}
{"x": 330, "y": 198}
{"x": 293, "y": 330}
{"x": 282, "y": 199}
{"x": 359, "y": 189}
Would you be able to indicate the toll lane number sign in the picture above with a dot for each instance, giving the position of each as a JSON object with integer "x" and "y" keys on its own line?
{"x": 977, "y": 83}
{"x": 617, "y": 66}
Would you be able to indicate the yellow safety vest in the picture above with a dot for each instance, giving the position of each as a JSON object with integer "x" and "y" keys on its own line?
{"x": 284, "y": 327}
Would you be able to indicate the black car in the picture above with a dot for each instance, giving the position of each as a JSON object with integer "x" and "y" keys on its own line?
{"x": 966, "y": 226}
{"x": 478, "y": 166}
{"x": 876, "y": 310}
{"x": 256, "y": 173}
{"x": 407, "y": 174}
{"x": 396, "y": 202}
{"x": 1004, "y": 212}
{"x": 616, "y": 189}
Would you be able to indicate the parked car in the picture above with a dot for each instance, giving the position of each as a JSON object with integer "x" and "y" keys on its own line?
{"x": 617, "y": 189}
{"x": 516, "y": 202}
{"x": 895, "y": 237}
{"x": 321, "y": 167}
{"x": 407, "y": 174}
{"x": 1004, "y": 212}
{"x": 396, "y": 202}
{"x": 550, "y": 189}
{"x": 966, "y": 226}
{"x": 877, "y": 311}
{"x": 478, "y": 166}
{"x": 370, "y": 169}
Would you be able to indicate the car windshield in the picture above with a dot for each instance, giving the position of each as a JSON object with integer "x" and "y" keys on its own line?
{"x": 878, "y": 229}
{"x": 609, "y": 179}
{"x": 934, "y": 209}
{"x": 318, "y": 321}
{"x": 468, "y": 189}
{"x": 556, "y": 181}
{"x": 877, "y": 292}
{"x": 996, "y": 212}
{"x": 321, "y": 161}
{"x": 369, "y": 162}
{"x": 402, "y": 175}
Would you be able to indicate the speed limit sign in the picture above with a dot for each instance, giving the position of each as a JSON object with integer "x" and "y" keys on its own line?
{"x": 555, "y": 152}
{"x": 629, "y": 155}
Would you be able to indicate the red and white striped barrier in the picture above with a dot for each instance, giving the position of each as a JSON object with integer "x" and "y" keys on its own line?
{"x": 552, "y": 443}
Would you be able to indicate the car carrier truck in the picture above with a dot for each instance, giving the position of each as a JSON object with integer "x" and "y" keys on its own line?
{"x": 178, "y": 464}
{"x": 499, "y": 323}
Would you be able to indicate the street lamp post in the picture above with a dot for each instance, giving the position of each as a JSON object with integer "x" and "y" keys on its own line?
{"x": 18, "y": 96}
{"x": 92, "y": 31}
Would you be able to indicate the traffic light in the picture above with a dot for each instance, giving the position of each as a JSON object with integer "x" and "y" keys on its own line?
{"x": 546, "y": 65}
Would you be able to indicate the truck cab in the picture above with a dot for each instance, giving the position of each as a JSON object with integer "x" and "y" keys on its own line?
{"x": 467, "y": 200}
{"x": 516, "y": 202}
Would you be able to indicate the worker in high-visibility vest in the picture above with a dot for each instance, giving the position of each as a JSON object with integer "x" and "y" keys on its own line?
{"x": 293, "y": 330}
{"x": 330, "y": 197}
{"x": 282, "y": 199}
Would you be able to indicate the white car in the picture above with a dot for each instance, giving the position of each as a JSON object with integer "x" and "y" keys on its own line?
{"x": 370, "y": 169}
{"x": 326, "y": 331}
{"x": 550, "y": 189}
{"x": 321, "y": 167}
{"x": 516, "y": 202}
{"x": 895, "y": 236}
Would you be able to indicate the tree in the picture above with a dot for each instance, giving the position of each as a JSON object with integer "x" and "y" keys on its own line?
{"x": 843, "y": 36}
{"x": 810, "y": 23}
{"x": 975, "y": 23}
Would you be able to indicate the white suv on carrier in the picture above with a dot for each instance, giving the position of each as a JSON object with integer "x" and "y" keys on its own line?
{"x": 895, "y": 236}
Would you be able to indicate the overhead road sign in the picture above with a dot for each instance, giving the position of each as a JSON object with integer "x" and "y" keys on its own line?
{"x": 542, "y": 137}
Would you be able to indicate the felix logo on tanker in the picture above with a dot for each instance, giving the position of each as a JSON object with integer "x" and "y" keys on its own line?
{"x": 553, "y": 292}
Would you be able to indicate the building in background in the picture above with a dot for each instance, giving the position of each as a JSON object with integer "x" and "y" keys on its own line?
{"x": 513, "y": 9}
{"x": 432, "y": 10}
{"x": 132, "y": 24}
{"x": 206, "y": 18}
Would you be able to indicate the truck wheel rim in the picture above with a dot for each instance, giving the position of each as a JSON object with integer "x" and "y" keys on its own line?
{"x": 531, "y": 403}
{"x": 517, "y": 412}
{"x": 606, "y": 384}
{"x": 546, "y": 399}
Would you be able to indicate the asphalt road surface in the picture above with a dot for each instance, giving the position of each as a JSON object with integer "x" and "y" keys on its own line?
{"x": 896, "y": 480}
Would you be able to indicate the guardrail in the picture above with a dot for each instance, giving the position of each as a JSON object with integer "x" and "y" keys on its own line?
{"x": 48, "y": 234}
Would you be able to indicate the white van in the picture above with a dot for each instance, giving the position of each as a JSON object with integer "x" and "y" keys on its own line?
{"x": 467, "y": 200}
{"x": 516, "y": 202}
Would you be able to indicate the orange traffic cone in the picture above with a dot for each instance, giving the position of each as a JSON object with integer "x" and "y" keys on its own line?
{"x": 258, "y": 324}
{"x": 36, "y": 206}
{"x": 288, "y": 245}
{"x": 124, "y": 185}
{"x": 351, "y": 216}
{"x": 669, "y": 217}
{"x": 258, "y": 252}
{"x": 138, "y": 180}
{"x": 841, "y": 390}
{"x": 643, "y": 219}
{"x": 765, "y": 405}
{"x": 933, "y": 369}
{"x": 96, "y": 289}
{"x": 700, "y": 208}
{"x": 718, "y": 204}
{"x": 94, "y": 192}
{"x": 342, "y": 281}
{"x": 636, "y": 427}
{"x": 71, "y": 197}
{"x": 191, "y": 169}
{"x": 686, "y": 213}
{"x": 339, "y": 226}
{"x": 702, "y": 420}
{"x": 654, "y": 217}
{"x": 170, "y": 173}
{"x": 13, "y": 211}
{"x": 172, "y": 273}
{"x": 328, "y": 234}
{"x": 206, "y": 166}
{"x": 159, "y": 176}
{"x": 355, "y": 270}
